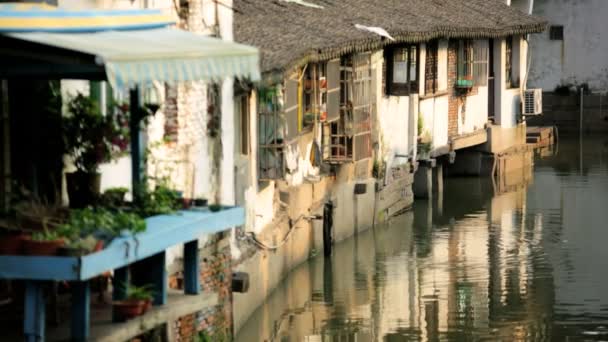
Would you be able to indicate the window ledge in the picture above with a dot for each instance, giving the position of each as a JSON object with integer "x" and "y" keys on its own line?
{"x": 436, "y": 94}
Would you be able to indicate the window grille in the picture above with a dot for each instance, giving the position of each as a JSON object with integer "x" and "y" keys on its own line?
{"x": 271, "y": 135}
{"x": 431, "y": 66}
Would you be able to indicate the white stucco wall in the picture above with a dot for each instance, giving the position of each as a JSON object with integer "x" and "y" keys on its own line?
{"x": 582, "y": 57}
{"x": 507, "y": 101}
{"x": 434, "y": 112}
{"x": 475, "y": 112}
{"x": 394, "y": 120}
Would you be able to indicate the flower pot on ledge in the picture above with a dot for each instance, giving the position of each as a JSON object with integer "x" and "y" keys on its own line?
{"x": 129, "y": 309}
{"x": 42, "y": 248}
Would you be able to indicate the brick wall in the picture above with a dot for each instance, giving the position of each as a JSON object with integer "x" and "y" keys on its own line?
{"x": 215, "y": 323}
{"x": 453, "y": 97}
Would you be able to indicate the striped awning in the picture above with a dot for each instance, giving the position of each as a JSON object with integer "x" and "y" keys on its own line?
{"x": 134, "y": 47}
{"x": 138, "y": 57}
{"x": 30, "y": 17}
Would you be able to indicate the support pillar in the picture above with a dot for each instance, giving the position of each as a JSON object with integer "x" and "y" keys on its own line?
{"x": 423, "y": 179}
{"x": 81, "y": 299}
{"x": 34, "y": 318}
{"x": 152, "y": 271}
{"x": 192, "y": 283}
{"x": 438, "y": 179}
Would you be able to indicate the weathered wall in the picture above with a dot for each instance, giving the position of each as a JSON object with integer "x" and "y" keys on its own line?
{"x": 582, "y": 57}
{"x": 564, "y": 112}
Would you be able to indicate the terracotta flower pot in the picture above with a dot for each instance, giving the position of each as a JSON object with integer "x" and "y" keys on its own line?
{"x": 186, "y": 203}
{"x": 47, "y": 248}
{"x": 147, "y": 305}
{"x": 12, "y": 243}
{"x": 128, "y": 309}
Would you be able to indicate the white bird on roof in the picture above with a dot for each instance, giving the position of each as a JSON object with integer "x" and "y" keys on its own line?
{"x": 377, "y": 30}
{"x": 304, "y": 3}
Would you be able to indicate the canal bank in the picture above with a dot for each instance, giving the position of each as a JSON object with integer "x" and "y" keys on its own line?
{"x": 520, "y": 262}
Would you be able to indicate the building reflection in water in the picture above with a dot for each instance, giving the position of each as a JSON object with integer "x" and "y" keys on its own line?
{"x": 476, "y": 264}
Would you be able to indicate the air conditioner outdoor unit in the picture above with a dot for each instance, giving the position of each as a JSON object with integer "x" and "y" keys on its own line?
{"x": 533, "y": 102}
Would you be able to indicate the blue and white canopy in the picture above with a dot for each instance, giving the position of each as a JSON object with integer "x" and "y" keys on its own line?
{"x": 132, "y": 47}
{"x": 138, "y": 57}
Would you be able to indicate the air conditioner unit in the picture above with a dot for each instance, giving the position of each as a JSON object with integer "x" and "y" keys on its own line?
{"x": 533, "y": 102}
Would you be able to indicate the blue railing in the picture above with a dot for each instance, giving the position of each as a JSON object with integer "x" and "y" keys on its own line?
{"x": 162, "y": 232}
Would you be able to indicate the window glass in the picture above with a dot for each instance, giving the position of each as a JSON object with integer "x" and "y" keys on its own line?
{"x": 400, "y": 62}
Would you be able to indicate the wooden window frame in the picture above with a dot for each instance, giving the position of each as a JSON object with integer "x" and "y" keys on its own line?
{"x": 465, "y": 61}
{"x": 348, "y": 139}
{"x": 245, "y": 115}
{"x": 413, "y": 57}
{"x": 431, "y": 70}
{"x": 472, "y": 64}
{"x": 509, "y": 79}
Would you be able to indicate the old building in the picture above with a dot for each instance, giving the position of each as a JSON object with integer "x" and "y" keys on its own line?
{"x": 358, "y": 95}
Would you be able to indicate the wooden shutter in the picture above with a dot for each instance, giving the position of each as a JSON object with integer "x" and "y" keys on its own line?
{"x": 291, "y": 108}
{"x": 333, "y": 90}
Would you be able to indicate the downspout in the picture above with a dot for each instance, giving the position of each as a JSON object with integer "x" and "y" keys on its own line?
{"x": 529, "y": 61}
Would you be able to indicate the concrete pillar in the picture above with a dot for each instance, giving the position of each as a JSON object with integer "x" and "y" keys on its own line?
{"x": 423, "y": 182}
{"x": 438, "y": 179}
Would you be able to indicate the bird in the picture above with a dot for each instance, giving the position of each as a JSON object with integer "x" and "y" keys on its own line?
{"x": 377, "y": 30}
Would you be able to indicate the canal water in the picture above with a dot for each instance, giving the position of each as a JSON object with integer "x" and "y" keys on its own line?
{"x": 522, "y": 260}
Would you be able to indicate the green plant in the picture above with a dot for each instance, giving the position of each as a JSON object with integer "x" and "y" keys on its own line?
{"x": 144, "y": 292}
{"x": 161, "y": 200}
{"x": 116, "y": 190}
{"x": 92, "y": 138}
{"x": 46, "y": 235}
{"x": 101, "y": 222}
{"x": 420, "y": 124}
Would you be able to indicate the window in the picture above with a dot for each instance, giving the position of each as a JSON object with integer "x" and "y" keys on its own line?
{"x": 472, "y": 63}
{"x": 271, "y": 133}
{"x": 349, "y": 138}
{"x": 431, "y": 65}
{"x": 509, "y": 63}
{"x": 465, "y": 64}
{"x": 556, "y": 32}
{"x": 314, "y": 95}
{"x": 402, "y": 70}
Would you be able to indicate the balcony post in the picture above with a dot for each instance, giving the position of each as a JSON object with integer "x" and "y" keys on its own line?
{"x": 191, "y": 268}
{"x": 34, "y": 318}
{"x": 81, "y": 298}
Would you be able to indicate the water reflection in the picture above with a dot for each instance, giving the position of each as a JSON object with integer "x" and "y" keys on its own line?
{"x": 520, "y": 259}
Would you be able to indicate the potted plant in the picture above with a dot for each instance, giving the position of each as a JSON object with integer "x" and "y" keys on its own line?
{"x": 200, "y": 202}
{"x": 138, "y": 301}
{"x": 425, "y": 143}
{"x": 46, "y": 242}
{"x": 88, "y": 230}
{"x": 34, "y": 214}
{"x": 115, "y": 197}
{"x": 91, "y": 138}
{"x": 215, "y": 207}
